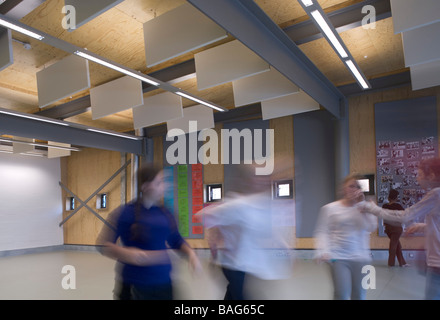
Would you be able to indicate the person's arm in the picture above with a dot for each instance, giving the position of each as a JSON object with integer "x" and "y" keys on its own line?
{"x": 321, "y": 236}
{"x": 415, "y": 228}
{"x": 420, "y": 209}
{"x": 107, "y": 240}
{"x": 133, "y": 255}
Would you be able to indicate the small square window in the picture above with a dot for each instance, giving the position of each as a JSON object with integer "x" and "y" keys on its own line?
{"x": 101, "y": 201}
{"x": 214, "y": 192}
{"x": 70, "y": 203}
{"x": 367, "y": 184}
{"x": 283, "y": 189}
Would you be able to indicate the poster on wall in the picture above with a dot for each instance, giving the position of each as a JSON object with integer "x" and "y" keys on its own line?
{"x": 406, "y": 133}
{"x": 184, "y": 198}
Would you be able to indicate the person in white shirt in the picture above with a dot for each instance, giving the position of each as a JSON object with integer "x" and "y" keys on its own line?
{"x": 342, "y": 234}
{"x": 239, "y": 229}
{"x": 428, "y": 177}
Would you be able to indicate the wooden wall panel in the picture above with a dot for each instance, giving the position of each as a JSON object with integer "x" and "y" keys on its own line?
{"x": 84, "y": 172}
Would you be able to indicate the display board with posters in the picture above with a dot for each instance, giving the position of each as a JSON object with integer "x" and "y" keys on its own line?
{"x": 406, "y": 133}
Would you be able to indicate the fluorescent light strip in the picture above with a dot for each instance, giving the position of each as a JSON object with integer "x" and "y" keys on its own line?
{"x": 12, "y": 26}
{"x": 116, "y": 68}
{"x": 199, "y": 101}
{"x": 357, "y": 74}
{"x": 35, "y": 118}
{"x": 329, "y": 33}
{"x": 307, "y": 3}
{"x": 116, "y": 134}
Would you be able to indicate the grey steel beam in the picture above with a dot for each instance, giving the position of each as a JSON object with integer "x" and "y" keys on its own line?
{"x": 247, "y": 22}
{"x": 300, "y": 33}
{"x": 30, "y": 126}
{"x": 386, "y": 82}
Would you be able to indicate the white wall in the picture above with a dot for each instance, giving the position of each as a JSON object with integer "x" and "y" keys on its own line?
{"x": 30, "y": 202}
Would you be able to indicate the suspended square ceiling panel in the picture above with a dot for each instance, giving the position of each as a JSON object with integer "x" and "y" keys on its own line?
{"x": 288, "y": 105}
{"x": 115, "y": 96}
{"x": 422, "y": 45}
{"x": 18, "y": 147}
{"x": 412, "y": 14}
{"x": 157, "y": 109}
{"x": 58, "y": 152}
{"x": 264, "y": 86}
{"x": 86, "y": 11}
{"x": 6, "y": 56}
{"x": 225, "y": 63}
{"x": 178, "y": 31}
{"x": 200, "y": 117}
{"x": 62, "y": 79}
{"x": 425, "y": 75}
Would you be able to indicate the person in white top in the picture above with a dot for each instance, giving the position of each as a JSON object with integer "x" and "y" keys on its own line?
{"x": 428, "y": 177}
{"x": 239, "y": 229}
{"x": 342, "y": 234}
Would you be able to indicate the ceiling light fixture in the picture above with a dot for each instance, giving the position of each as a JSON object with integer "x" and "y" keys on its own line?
{"x": 116, "y": 134}
{"x": 199, "y": 101}
{"x": 110, "y": 65}
{"x": 357, "y": 74}
{"x": 20, "y": 29}
{"x": 34, "y": 118}
{"x": 307, "y": 3}
{"x": 329, "y": 32}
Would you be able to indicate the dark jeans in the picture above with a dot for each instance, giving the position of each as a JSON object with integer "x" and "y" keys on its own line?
{"x": 235, "y": 288}
{"x": 138, "y": 292}
{"x": 395, "y": 249}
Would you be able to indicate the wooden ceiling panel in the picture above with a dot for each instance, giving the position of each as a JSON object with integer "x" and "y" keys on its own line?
{"x": 382, "y": 48}
{"x": 117, "y": 34}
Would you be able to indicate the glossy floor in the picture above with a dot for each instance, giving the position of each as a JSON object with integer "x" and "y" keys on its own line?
{"x": 40, "y": 277}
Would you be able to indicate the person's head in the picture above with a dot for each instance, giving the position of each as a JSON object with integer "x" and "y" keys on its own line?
{"x": 393, "y": 195}
{"x": 428, "y": 175}
{"x": 150, "y": 181}
{"x": 350, "y": 188}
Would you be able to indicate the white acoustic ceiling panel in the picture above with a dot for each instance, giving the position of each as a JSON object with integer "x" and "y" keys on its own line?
{"x": 225, "y": 63}
{"x": 157, "y": 109}
{"x": 412, "y": 14}
{"x": 194, "y": 119}
{"x": 18, "y": 147}
{"x": 422, "y": 45}
{"x": 115, "y": 96}
{"x": 85, "y": 11}
{"x": 288, "y": 105}
{"x": 62, "y": 79}
{"x": 177, "y": 32}
{"x": 58, "y": 152}
{"x": 261, "y": 87}
{"x": 425, "y": 75}
{"x": 6, "y": 55}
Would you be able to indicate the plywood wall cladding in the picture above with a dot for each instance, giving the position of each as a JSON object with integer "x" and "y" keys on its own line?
{"x": 84, "y": 172}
